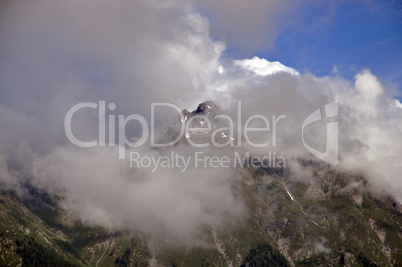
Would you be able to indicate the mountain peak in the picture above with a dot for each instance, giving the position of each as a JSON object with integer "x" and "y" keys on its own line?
{"x": 204, "y": 106}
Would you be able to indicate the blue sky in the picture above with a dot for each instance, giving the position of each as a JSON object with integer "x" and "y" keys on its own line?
{"x": 355, "y": 35}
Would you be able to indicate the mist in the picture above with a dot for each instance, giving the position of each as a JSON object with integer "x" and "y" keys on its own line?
{"x": 55, "y": 55}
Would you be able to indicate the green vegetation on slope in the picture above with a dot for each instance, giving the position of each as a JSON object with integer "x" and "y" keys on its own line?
{"x": 35, "y": 254}
{"x": 264, "y": 255}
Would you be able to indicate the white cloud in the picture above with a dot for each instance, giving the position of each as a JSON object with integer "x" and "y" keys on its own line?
{"x": 263, "y": 67}
{"x": 167, "y": 203}
{"x": 398, "y": 104}
{"x": 370, "y": 123}
{"x": 160, "y": 54}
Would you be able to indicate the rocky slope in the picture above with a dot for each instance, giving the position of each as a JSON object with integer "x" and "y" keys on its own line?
{"x": 332, "y": 220}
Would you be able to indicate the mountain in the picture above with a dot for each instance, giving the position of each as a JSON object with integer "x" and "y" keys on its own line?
{"x": 197, "y": 122}
{"x": 334, "y": 218}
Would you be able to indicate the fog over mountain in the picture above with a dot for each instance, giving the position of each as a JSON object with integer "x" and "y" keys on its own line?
{"x": 54, "y": 55}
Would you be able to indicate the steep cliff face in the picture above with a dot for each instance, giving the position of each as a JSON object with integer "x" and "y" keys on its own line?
{"x": 334, "y": 218}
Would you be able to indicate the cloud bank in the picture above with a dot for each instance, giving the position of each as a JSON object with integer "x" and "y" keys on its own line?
{"x": 55, "y": 55}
